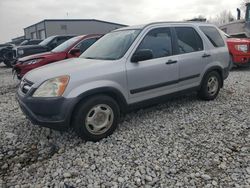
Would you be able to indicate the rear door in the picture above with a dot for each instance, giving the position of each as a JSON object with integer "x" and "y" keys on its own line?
{"x": 219, "y": 50}
{"x": 157, "y": 76}
{"x": 192, "y": 57}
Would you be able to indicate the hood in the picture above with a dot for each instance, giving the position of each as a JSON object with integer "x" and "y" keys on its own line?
{"x": 30, "y": 49}
{"x": 74, "y": 67}
{"x": 29, "y": 46}
{"x": 238, "y": 40}
{"x": 36, "y": 56}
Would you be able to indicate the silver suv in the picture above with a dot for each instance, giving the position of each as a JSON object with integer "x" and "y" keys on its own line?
{"x": 132, "y": 66}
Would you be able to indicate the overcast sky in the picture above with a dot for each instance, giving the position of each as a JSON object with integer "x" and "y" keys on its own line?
{"x": 17, "y": 14}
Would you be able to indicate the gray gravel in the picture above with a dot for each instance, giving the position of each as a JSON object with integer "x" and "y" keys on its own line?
{"x": 182, "y": 143}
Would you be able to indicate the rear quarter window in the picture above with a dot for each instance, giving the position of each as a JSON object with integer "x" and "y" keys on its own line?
{"x": 213, "y": 35}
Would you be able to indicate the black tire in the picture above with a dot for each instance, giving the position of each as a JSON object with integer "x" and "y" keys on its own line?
{"x": 83, "y": 110}
{"x": 204, "y": 92}
{"x": 7, "y": 63}
{"x": 9, "y": 58}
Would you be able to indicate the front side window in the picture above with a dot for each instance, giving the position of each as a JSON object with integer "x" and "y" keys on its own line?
{"x": 85, "y": 44}
{"x": 213, "y": 35}
{"x": 111, "y": 46}
{"x": 158, "y": 41}
{"x": 188, "y": 40}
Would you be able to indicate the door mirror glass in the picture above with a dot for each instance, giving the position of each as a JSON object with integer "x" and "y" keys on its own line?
{"x": 142, "y": 55}
{"x": 75, "y": 52}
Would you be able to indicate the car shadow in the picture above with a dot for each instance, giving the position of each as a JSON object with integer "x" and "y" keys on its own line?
{"x": 242, "y": 69}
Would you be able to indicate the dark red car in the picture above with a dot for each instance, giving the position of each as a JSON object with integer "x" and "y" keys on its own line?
{"x": 73, "y": 47}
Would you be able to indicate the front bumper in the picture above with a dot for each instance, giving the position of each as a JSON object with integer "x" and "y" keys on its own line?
{"x": 53, "y": 113}
{"x": 20, "y": 71}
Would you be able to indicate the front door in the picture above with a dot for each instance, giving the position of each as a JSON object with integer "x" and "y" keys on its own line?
{"x": 157, "y": 76}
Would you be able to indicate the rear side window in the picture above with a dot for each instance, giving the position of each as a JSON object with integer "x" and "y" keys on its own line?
{"x": 158, "y": 41}
{"x": 213, "y": 35}
{"x": 188, "y": 40}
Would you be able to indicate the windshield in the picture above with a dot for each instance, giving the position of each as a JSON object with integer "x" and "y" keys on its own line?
{"x": 24, "y": 42}
{"x": 46, "y": 41}
{"x": 111, "y": 46}
{"x": 64, "y": 46}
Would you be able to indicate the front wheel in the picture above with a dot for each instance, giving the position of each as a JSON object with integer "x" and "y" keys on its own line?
{"x": 96, "y": 117}
{"x": 7, "y": 63}
{"x": 210, "y": 87}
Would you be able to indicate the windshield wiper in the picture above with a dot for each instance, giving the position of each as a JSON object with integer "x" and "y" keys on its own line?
{"x": 100, "y": 58}
{"x": 89, "y": 58}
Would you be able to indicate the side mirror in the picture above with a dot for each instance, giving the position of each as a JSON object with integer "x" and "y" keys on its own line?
{"x": 142, "y": 55}
{"x": 75, "y": 52}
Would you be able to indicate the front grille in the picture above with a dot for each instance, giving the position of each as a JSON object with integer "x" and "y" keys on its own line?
{"x": 25, "y": 86}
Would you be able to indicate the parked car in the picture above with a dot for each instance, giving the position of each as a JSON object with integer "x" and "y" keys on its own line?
{"x": 70, "y": 48}
{"x": 239, "y": 49}
{"x": 46, "y": 45}
{"x": 6, "y": 50}
{"x": 129, "y": 67}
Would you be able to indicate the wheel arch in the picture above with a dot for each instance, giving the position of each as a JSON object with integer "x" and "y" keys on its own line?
{"x": 217, "y": 69}
{"x": 109, "y": 91}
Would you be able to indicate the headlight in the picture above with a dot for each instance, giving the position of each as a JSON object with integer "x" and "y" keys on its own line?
{"x": 20, "y": 52}
{"x": 54, "y": 87}
{"x": 242, "y": 47}
{"x": 31, "y": 62}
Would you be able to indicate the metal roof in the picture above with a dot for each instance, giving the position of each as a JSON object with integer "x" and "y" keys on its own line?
{"x": 72, "y": 20}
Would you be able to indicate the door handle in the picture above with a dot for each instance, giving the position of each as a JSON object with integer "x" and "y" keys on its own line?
{"x": 171, "y": 62}
{"x": 205, "y": 55}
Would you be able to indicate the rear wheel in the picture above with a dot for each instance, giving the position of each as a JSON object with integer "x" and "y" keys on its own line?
{"x": 96, "y": 117}
{"x": 210, "y": 87}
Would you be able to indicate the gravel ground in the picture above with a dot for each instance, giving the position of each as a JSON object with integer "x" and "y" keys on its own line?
{"x": 182, "y": 143}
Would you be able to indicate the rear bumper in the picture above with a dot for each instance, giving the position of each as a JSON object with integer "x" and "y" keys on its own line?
{"x": 242, "y": 60}
{"x": 53, "y": 113}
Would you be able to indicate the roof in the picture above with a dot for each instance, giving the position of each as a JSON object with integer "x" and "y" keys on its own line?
{"x": 170, "y": 22}
{"x": 72, "y": 20}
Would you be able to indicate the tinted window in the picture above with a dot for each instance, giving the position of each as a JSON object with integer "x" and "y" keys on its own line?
{"x": 213, "y": 35}
{"x": 84, "y": 45}
{"x": 188, "y": 40}
{"x": 158, "y": 41}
